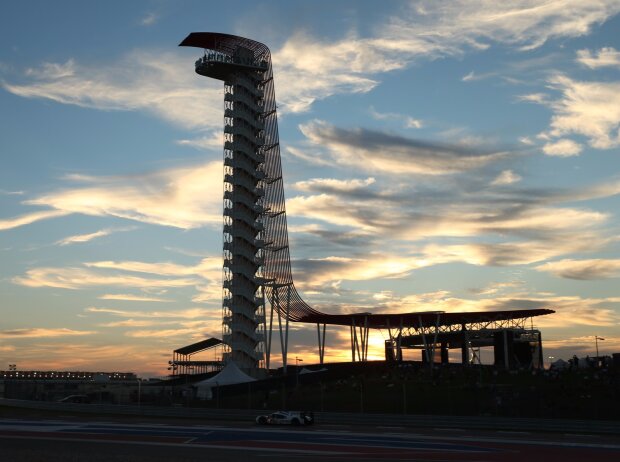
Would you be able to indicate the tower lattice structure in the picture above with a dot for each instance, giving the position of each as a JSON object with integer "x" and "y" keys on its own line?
{"x": 243, "y": 306}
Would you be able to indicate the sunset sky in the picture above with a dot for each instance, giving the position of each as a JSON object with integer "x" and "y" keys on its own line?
{"x": 453, "y": 156}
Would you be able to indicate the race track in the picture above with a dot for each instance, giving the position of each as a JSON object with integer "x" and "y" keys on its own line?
{"x": 84, "y": 440}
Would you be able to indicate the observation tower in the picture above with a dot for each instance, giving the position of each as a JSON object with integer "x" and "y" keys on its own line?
{"x": 257, "y": 263}
{"x": 245, "y": 69}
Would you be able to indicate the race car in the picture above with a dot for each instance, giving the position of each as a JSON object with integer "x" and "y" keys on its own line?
{"x": 286, "y": 418}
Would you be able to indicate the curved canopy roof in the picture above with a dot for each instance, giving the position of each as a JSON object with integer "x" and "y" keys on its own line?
{"x": 420, "y": 319}
{"x": 224, "y": 43}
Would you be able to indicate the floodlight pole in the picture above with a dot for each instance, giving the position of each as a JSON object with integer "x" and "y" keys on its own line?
{"x": 596, "y": 339}
{"x": 321, "y": 342}
{"x": 297, "y": 361}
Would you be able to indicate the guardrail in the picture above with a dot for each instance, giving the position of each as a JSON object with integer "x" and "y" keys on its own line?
{"x": 342, "y": 418}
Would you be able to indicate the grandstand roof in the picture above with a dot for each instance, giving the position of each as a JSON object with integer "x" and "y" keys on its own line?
{"x": 199, "y": 346}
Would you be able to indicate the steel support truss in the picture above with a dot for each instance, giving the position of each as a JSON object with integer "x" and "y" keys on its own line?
{"x": 281, "y": 308}
{"x": 483, "y": 331}
{"x": 359, "y": 340}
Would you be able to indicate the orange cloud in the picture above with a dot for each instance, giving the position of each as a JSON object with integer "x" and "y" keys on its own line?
{"x": 76, "y": 278}
{"x": 190, "y": 313}
{"x": 37, "y": 332}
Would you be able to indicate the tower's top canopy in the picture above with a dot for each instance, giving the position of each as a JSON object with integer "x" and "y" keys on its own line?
{"x": 225, "y": 43}
{"x": 225, "y": 54}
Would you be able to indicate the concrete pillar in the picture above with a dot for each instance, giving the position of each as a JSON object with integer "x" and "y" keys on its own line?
{"x": 444, "y": 353}
{"x": 464, "y": 346}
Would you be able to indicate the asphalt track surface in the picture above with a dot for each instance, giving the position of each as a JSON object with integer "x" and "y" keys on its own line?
{"x": 46, "y": 440}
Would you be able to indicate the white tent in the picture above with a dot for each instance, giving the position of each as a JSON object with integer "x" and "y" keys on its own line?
{"x": 559, "y": 364}
{"x": 308, "y": 371}
{"x": 230, "y": 375}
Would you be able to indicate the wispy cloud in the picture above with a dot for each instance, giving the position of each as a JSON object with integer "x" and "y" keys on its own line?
{"x": 204, "y": 277}
{"x": 194, "y": 323}
{"x": 526, "y": 24}
{"x": 511, "y": 226}
{"x": 312, "y": 69}
{"x": 331, "y": 209}
{"x": 81, "y": 238}
{"x": 320, "y": 274}
{"x": 468, "y": 77}
{"x": 604, "y": 57}
{"x": 585, "y": 108}
{"x": 539, "y": 98}
{"x": 152, "y": 81}
{"x": 189, "y": 313}
{"x": 311, "y": 157}
{"x": 459, "y": 221}
{"x": 180, "y": 197}
{"x": 506, "y": 177}
{"x": 387, "y": 153}
{"x": 133, "y": 298}
{"x": 583, "y": 269}
{"x": 149, "y": 19}
{"x": 472, "y": 76}
{"x": 133, "y": 323}
{"x": 209, "y": 293}
{"x": 562, "y": 148}
{"x": 213, "y": 140}
{"x": 77, "y": 278}
{"x": 309, "y": 68}
{"x": 329, "y": 185}
{"x": 166, "y": 333}
{"x": 29, "y": 218}
{"x": 4, "y": 192}
{"x": 37, "y": 332}
{"x": 407, "y": 121}
{"x": 208, "y": 268}
{"x": 498, "y": 287}
{"x": 518, "y": 252}
{"x": 315, "y": 273}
